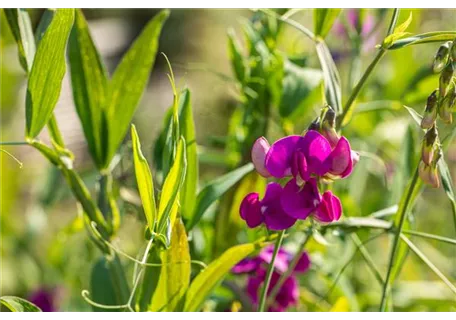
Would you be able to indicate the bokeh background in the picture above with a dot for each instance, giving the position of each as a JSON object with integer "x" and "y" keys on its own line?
{"x": 43, "y": 249}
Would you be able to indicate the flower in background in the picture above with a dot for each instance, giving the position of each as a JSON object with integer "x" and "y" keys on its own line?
{"x": 45, "y": 298}
{"x": 288, "y": 293}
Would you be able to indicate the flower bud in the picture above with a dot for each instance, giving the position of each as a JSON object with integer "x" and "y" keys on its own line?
{"x": 315, "y": 125}
{"x": 429, "y": 175}
{"x": 441, "y": 58}
{"x": 445, "y": 79}
{"x": 430, "y": 111}
{"x": 259, "y": 150}
{"x": 429, "y": 142}
{"x": 446, "y": 106}
{"x": 328, "y": 127}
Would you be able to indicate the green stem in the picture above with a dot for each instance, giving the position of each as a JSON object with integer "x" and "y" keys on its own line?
{"x": 398, "y": 230}
{"x": 393, "y": 21}
{"x": 348, "y": 109}
{"x": 349, "y": 104}
{"x": 14, "y": 143}
{"x": 267, "y": 281}
{"x": 429, "y": 236}
{"x": 291, "y": 267}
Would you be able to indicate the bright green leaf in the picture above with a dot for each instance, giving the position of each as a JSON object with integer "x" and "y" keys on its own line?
{"x": 144, "y": 180}
{"x": 187, "y": 130}
{"x": 16, "y": 304}
{"x": 236, "y": 58}
{"x": 436, "y": 36}
{"x": 215, "y": 190}
{"x": 404, "y": 25}
{"x": 171, "y": 187}
{"x": 447, "y": 183}
{"x": 175, "y": 271}
{"x": 21, "y": 27}
{"x": 129, "y": 81}
{"x": 45, "y": 21}
{"x": 202, "y": 286}
{"x": 89, "y": 83}
{"x": 47, "y": 72}
{"x": 323, "y": 20}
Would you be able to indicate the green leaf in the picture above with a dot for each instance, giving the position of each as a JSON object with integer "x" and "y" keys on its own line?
{"x": 187, "y": 130}
{"x": 404, "y": 25}
{"x": 447, "y": 183}
{"x": 144, "y": 180}
{"x": 214, "y": 191}
{"x": 236, "y": 58}
{"x": 47, "y": 72}
{"x": 436, "y": 36}
{"x": 323, "y": 21}
{"x": 399, "y": 32}
{"x": 89, "y": 82}
{"x": 45, "y": 21}
{"x": 202, "y": 286}
{"x": 298, "y": 85}
{"x": 102, "y": 284}
{"x": 330, "y": 76}
{"x": 129, "y": 81}
{"x": 21, "y": 27}
{"x": 415, "y": 115}
{"x": 170, "y": 193}
{"x": 16, "y": 304}
{"x": 175, "y": 272}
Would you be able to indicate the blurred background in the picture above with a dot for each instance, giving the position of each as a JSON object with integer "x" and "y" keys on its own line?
{"x": 45, "y": 253}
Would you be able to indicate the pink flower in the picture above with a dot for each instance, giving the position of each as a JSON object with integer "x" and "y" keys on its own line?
{"x": 259, "y": 150}
{"x": 330, "y": 208}
{"x": 267, "y": 211}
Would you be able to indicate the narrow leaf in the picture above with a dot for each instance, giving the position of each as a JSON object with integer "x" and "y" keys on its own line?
{"x": 202, "y": 286}
{"x": 47, "y": 72}
{"x": 129, "y": 81}
{"x": 171, "y": 187}
{"x": 415, "y": 115}
{"x": 16, "y": 304}
{"x": 21, "y": 27}
{"x": 144, "y": 180}
{"x": 187, "y": 130}
{"x": 45, "y": 21}
{"x": 236, "y": 58}
{"x": 323, "y": 20}
{"x": 214, "y": 190}
{"x": 89, "y": 83}
{"x": 436, "y": 36}
{"x": 330, "y": 76}
{"x": 175, "y": 272}
{"x": 447, "y": 183}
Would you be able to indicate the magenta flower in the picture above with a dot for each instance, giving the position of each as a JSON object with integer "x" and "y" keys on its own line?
{"x": 311, "y": 154}
{"x": 268, "y": 211}
{"x": 299, "y": 202}
{"x": 45, "y": 299}
{"x": 330, "y": 208}
{"x": 256, "y": 268}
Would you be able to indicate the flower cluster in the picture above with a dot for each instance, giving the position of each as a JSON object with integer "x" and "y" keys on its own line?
{"x": 441, "y": 102}
{"x": 288, "y": 293}
{"x": 305, "y": 160}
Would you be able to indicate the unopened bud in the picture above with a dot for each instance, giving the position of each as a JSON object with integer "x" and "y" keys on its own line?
{"x": 430, "y": 112}
{"x": 328, "y": 127}
{"x": 315, "y": 125}
{"x": 429, "y": 142}
{"x": 441, "y": 58}
{"x": 429, "y": 174}
{"x": 445, "y": 79}
{"x": 446, "y": 106}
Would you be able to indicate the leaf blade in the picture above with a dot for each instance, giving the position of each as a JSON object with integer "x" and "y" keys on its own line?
{"x": 323, "y": 20}
{"x": 16, "y": 304}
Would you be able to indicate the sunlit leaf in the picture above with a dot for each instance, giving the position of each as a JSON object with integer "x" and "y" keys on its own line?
{"x": 330, "y": 76}
{"x": 16, "y": 304}
{"x": 237, "y": 60}
{"x": 341, "y": 305}
{"x": 150, "y": 279}
{"x": 436, "y": 36}
{"x": 323, "y": 20}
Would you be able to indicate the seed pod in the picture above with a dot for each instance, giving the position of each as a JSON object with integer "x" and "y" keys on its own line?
{"x": 429, "y": 175}
{"x": 445, "y": 79}
{"x": 430, "y": 112}
{"x": 441, "y": 58}
{"x": 428, "y": 145}
{"x": 446, "y": 105}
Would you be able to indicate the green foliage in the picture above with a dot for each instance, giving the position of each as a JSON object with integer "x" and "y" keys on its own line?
{"x": 323, "y": 21}
{"x": 330, "y": 76}
{"x": 16, "y": 304}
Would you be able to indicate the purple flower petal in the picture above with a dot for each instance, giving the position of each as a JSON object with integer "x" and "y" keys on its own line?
{"x": 276, "y": 219}
{"x": 340, "y": 160}
{"x": 299, "y": 165}
{"x": 299, "y": 202}
{"x": 330, "y": 208}
{"x": 278, "y": 159}
{"x": 317, "y": 149}
{"x": 247, "y": 265}
{"x": 251, "y": 210}
{"x": 303, "y": 263}
{"x": 282, "y": 259}
{"x": 259, "y": 150}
